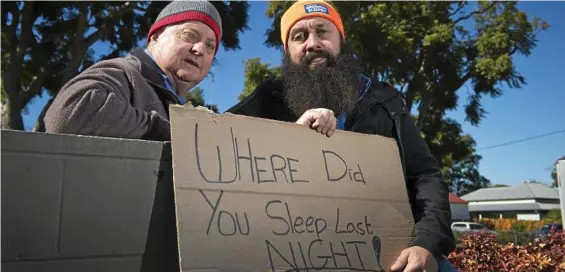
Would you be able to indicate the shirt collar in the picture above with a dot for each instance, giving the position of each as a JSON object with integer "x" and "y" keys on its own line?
{"x": 366, "y": 81}
{"x": 182, "y": 99}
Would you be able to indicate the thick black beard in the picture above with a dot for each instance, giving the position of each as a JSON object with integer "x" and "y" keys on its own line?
{"x": 332, "y": 85}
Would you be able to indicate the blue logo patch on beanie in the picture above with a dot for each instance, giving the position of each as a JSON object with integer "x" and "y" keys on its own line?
{"x": 316, "y": 8}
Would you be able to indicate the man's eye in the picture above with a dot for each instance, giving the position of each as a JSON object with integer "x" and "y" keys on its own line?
{"x": 190, "y": 37}
{"x": 210, "y": 46}
{"x": 321, "y": 32}
{"x": 298, "y": 37}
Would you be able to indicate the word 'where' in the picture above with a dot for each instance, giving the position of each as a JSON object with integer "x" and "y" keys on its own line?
{"x": 269, "y": 168}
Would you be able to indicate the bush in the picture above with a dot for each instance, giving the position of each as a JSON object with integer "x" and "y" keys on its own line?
{"x": 553, "y": 216}
{"x": 477, "y": 252}
{"x": 505, "y": 224}
{"x": 522, "y": 238}
{"x": 481, "y": 252}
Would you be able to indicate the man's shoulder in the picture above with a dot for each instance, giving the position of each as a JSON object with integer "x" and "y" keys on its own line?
{"x": 383, "y": 91}
{"x": 110, "y": 71}
{"x": 387, "y": 96}
{"x": 127, "y": 63}
{"x": 268, "y": 94}
{"x": 268, "y": 88}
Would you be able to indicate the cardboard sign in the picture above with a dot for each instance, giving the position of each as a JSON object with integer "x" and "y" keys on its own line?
{"x": 261, "y": 195}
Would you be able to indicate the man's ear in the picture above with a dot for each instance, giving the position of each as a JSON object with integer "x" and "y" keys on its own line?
{"x": 156, "y": 35}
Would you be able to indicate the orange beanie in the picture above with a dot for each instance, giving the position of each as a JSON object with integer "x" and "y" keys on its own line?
{"x": 306, "y": 9}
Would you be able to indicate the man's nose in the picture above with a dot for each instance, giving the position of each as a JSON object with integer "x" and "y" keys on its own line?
{"x": 313, "y": 43}
{"x": 198, "y": 48}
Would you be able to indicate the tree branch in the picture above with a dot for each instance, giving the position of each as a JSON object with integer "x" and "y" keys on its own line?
{"x": 35, "y": 87}
{"x": 27, "y": 25}
{"x": 464, "y": 79}
{"x": 11, "y": 77}
{"x": 513, "y": 50}
{"x": 92, "y": 38}
{"x": 461, "y": 6}
{"x": 78, "y": 46}
{"x": 413, "y": 86}
{"x": 491, "y": 5}
{"x": 423, "y": 112}
{"x": 40, "y": 124}
{"x": 98, "y": 34}
{"x": 12, "y": 30}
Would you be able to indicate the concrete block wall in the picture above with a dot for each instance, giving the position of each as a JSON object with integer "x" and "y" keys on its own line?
{"x": 76, "y": 203}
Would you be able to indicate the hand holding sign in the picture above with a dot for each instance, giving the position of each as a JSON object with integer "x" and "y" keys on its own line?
{"x": 322, "y": 120}
{"x": 415, "y": 259}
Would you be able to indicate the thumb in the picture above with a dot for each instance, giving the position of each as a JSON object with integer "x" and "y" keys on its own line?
{"x": 401, "y": 261}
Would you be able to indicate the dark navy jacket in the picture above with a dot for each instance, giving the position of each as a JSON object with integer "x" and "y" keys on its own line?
{"x": 382, "y": 111}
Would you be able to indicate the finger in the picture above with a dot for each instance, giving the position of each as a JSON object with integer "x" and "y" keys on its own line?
{"x": 401, "y": 261}
{"x": 320, "y": 121}
{"x": 327, "y": 122}
{"x": 333, "y": 126}
{"x": 412, "y": 267}
{"x": 317, "y": 123}
{"x": 302, "y": 120}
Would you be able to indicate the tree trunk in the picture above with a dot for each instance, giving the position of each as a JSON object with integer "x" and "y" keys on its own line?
{"x": 40, "y": 124}
{"x": 12, "y": 114}
{"x": 79, "y": 48}
{"x": 417, "y": 83}
{"x": 423, "y": 111}
{"x": 11, "y": 76}
{"x": 410, "y": 95}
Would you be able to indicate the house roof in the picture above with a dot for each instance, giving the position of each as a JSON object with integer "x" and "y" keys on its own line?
{"x": 455, "y": 199}
{"x": 513, "y": 207}
{"x": 521, "y": 191}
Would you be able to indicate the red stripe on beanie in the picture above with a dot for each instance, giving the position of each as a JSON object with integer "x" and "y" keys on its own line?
{"x": 187, "y": 16}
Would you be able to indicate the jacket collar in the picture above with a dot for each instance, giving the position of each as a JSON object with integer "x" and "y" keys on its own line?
{"x": 377, "y": 93}
{"x": 151, "y": 71}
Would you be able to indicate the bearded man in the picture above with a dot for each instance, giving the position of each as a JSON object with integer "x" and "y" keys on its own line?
{"x": 129, "y": 97}
{"x": 322, "y": 86}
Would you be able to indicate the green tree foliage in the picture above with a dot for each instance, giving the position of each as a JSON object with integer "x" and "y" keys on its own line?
{"x": 456, "y": 155}
{"x": 255, "y": 72}
{"x": 430, "y": 50}
{"x": 555, "y": 183}
{"x": 196, "y": 98}
{"x": 553, "y": 216}
{"x": 44, "y": 44}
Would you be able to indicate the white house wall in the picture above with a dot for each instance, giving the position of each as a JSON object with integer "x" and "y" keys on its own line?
{"x": 530, "y": 216}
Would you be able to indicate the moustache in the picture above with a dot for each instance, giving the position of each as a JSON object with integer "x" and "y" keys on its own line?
{"x": 309, "y": 57}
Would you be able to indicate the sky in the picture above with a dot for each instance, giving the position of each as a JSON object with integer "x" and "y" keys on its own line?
{"x": 535, "y": 109}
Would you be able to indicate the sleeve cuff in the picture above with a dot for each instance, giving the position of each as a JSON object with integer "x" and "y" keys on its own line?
{"x": 428, "y": 242}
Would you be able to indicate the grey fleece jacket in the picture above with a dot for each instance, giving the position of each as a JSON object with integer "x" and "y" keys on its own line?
{"x": 121, "y": 97}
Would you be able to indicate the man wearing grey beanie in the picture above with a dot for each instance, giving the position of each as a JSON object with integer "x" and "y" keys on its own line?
{"x": 129, "y": 97}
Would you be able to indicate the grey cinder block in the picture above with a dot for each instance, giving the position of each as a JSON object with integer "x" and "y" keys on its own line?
{"x": 77, "y": 203}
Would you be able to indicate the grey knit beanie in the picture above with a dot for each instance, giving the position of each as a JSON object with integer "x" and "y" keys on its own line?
{"x": 189, "y": 10}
